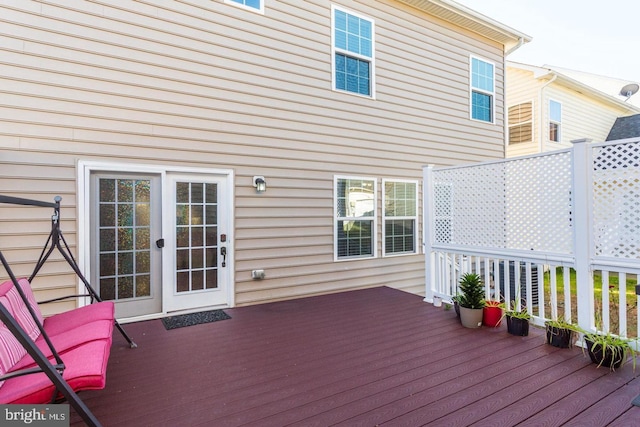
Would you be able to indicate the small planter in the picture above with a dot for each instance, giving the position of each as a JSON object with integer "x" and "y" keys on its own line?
{"x": 437, "y": 301}
{"x": 560, "y": 337}
{"x": 471, "y": 317}
{"x": 612, "y": 357}
{"x": 492, "y": 316}
{"x": 517, "y": 326}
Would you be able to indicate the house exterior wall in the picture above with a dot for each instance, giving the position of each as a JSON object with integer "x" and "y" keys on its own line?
{"x": 203, "y": 83}
{"x": 522, "y": 87}
{"x": 583, "y": 115}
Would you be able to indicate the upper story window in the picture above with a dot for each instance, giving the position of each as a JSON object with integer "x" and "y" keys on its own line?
{"x": 521, "y": 123}
{"x": 482, "y": 90}
{"x": 355, "y": 210}
{"x": 254, "y": 5}
{"x": 555, "y": 121}
{"x": 400, "y": 217}
{"x": 352, "y": 52}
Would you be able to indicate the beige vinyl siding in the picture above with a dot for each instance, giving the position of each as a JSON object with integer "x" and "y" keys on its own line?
{"x": 582, "y": 116}
{"x": 522, "y": 87}
{"x": 200, "y": 83}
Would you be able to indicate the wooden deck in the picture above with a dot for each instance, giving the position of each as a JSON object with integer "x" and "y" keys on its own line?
{"x": 362, "y": 358}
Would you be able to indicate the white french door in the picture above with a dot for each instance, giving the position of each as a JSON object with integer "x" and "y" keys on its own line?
{"x": 157, "y": 240}
{"x": 126, "y": 264}
{"x": 197, "y": 244}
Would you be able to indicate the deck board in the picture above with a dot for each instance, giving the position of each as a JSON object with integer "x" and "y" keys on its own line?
{"x": 362, "y": 358}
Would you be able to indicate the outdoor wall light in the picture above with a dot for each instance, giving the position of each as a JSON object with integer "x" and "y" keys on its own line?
{"x": 260, "y": 184}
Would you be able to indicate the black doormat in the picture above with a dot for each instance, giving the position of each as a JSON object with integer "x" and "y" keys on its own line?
{"x": 174, "y": 322}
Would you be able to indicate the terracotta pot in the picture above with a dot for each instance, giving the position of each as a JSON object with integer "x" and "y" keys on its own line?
{"x": 492, "y": 316}
{"x": 517, "y": 326}
{"x": 471, "y": 317}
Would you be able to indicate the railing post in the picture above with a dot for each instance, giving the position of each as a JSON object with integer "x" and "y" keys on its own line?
{"x": 583, "y": 230}
{"x": 428, "y": 211}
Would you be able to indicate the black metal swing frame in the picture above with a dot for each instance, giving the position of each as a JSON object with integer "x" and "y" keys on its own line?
{"x": 55, "y": 241}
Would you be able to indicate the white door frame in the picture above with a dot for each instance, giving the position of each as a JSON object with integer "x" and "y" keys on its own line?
{"x": 84, "y": 170}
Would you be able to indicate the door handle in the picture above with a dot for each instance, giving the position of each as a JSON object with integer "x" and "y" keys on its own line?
{"x": 223, "y": 252}
{"x": 160, "y": 243}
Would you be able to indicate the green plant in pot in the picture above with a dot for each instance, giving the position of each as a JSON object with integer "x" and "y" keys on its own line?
{"x": 517, "y": 320}
{"x": 471, "y": 300}
{"x": 561, "y": 333}
{"x": 609, "y": 350}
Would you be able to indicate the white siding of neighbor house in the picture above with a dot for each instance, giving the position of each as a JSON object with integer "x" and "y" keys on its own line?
{"x": 522, "y": 87}
{"x": 202, "y": 83}
{"x": 583, "y": 116}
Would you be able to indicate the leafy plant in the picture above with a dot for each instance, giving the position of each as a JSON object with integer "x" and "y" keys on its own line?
{"x": 562, "y": 333}
{"x": 522, "y": 314}
{"x": 471, "y": 291}
{"x": 563, "y": 324}
{"x": 492, "y": 303}
{"x": 618, "y": 348}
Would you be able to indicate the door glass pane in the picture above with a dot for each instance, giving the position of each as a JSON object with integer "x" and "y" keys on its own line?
{"x": 124, "y": 234}
{"x": 196, "y": 236}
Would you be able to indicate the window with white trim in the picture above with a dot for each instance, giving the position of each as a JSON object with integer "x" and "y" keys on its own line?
{"x": 253, "y": 5}
{"x": 521, "y": 123}
{"x": 555, "y": 121}
{"x": 355, "y": 208}
{"x": 482, "y": 90}
{"x": 352, "y": 52}
{"x": 400, "y": 216}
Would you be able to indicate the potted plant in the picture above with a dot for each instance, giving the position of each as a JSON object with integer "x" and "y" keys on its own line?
{"x": 492, "y": 313}
{"x": 471, "y": 300}
{"x": 518, "y": 321}
{"x": 561, "y": 333}
{"x": 456, "y": 304}
{"x": 609, "y": 350}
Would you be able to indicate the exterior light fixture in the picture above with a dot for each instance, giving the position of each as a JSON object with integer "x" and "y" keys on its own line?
{"x": 260, "y": 184}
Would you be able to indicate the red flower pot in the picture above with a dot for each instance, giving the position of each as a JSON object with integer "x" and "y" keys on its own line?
{"x": 491, "y": 316}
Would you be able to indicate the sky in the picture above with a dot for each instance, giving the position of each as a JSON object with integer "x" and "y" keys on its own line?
{"x": 594, "y": 36}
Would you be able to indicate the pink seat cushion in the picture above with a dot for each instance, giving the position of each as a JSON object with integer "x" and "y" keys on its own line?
{"x": 63, "y": 322}
{"x": 86, "y": 368}
{"x": 10, "y": 298}
{"x": 96, "y": 330}
{"x": 11, "y": 351}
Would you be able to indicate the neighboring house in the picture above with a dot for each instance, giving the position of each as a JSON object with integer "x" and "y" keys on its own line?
{"x": 624, "y": 128}
{"x": 548, "y": 107}
{"x": 158, "y": 120}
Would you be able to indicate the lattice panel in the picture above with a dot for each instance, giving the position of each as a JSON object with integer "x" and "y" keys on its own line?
{"x": 517, "y": 204}
{"x": 616, "y": 200}
{"x": 539, "y": 203}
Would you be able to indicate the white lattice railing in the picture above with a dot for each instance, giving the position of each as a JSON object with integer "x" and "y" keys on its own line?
{"x": 564, "y": 225}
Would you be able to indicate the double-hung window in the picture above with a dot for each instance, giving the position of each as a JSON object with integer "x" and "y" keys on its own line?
{"x": 555, "y": 120}
{"x": 352, "y": 52}
{"x": 482, "y": 90}
{"x": 355, "y": 208}
{"x": 400, "y": 216}
{"x": 253, "y": 5}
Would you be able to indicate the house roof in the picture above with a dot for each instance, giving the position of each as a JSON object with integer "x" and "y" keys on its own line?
{"x": 609, "y": 85}
{"x": 462, "y": 16}
{"x": 625, "y": 127}
{"x": 572, "y": 81}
